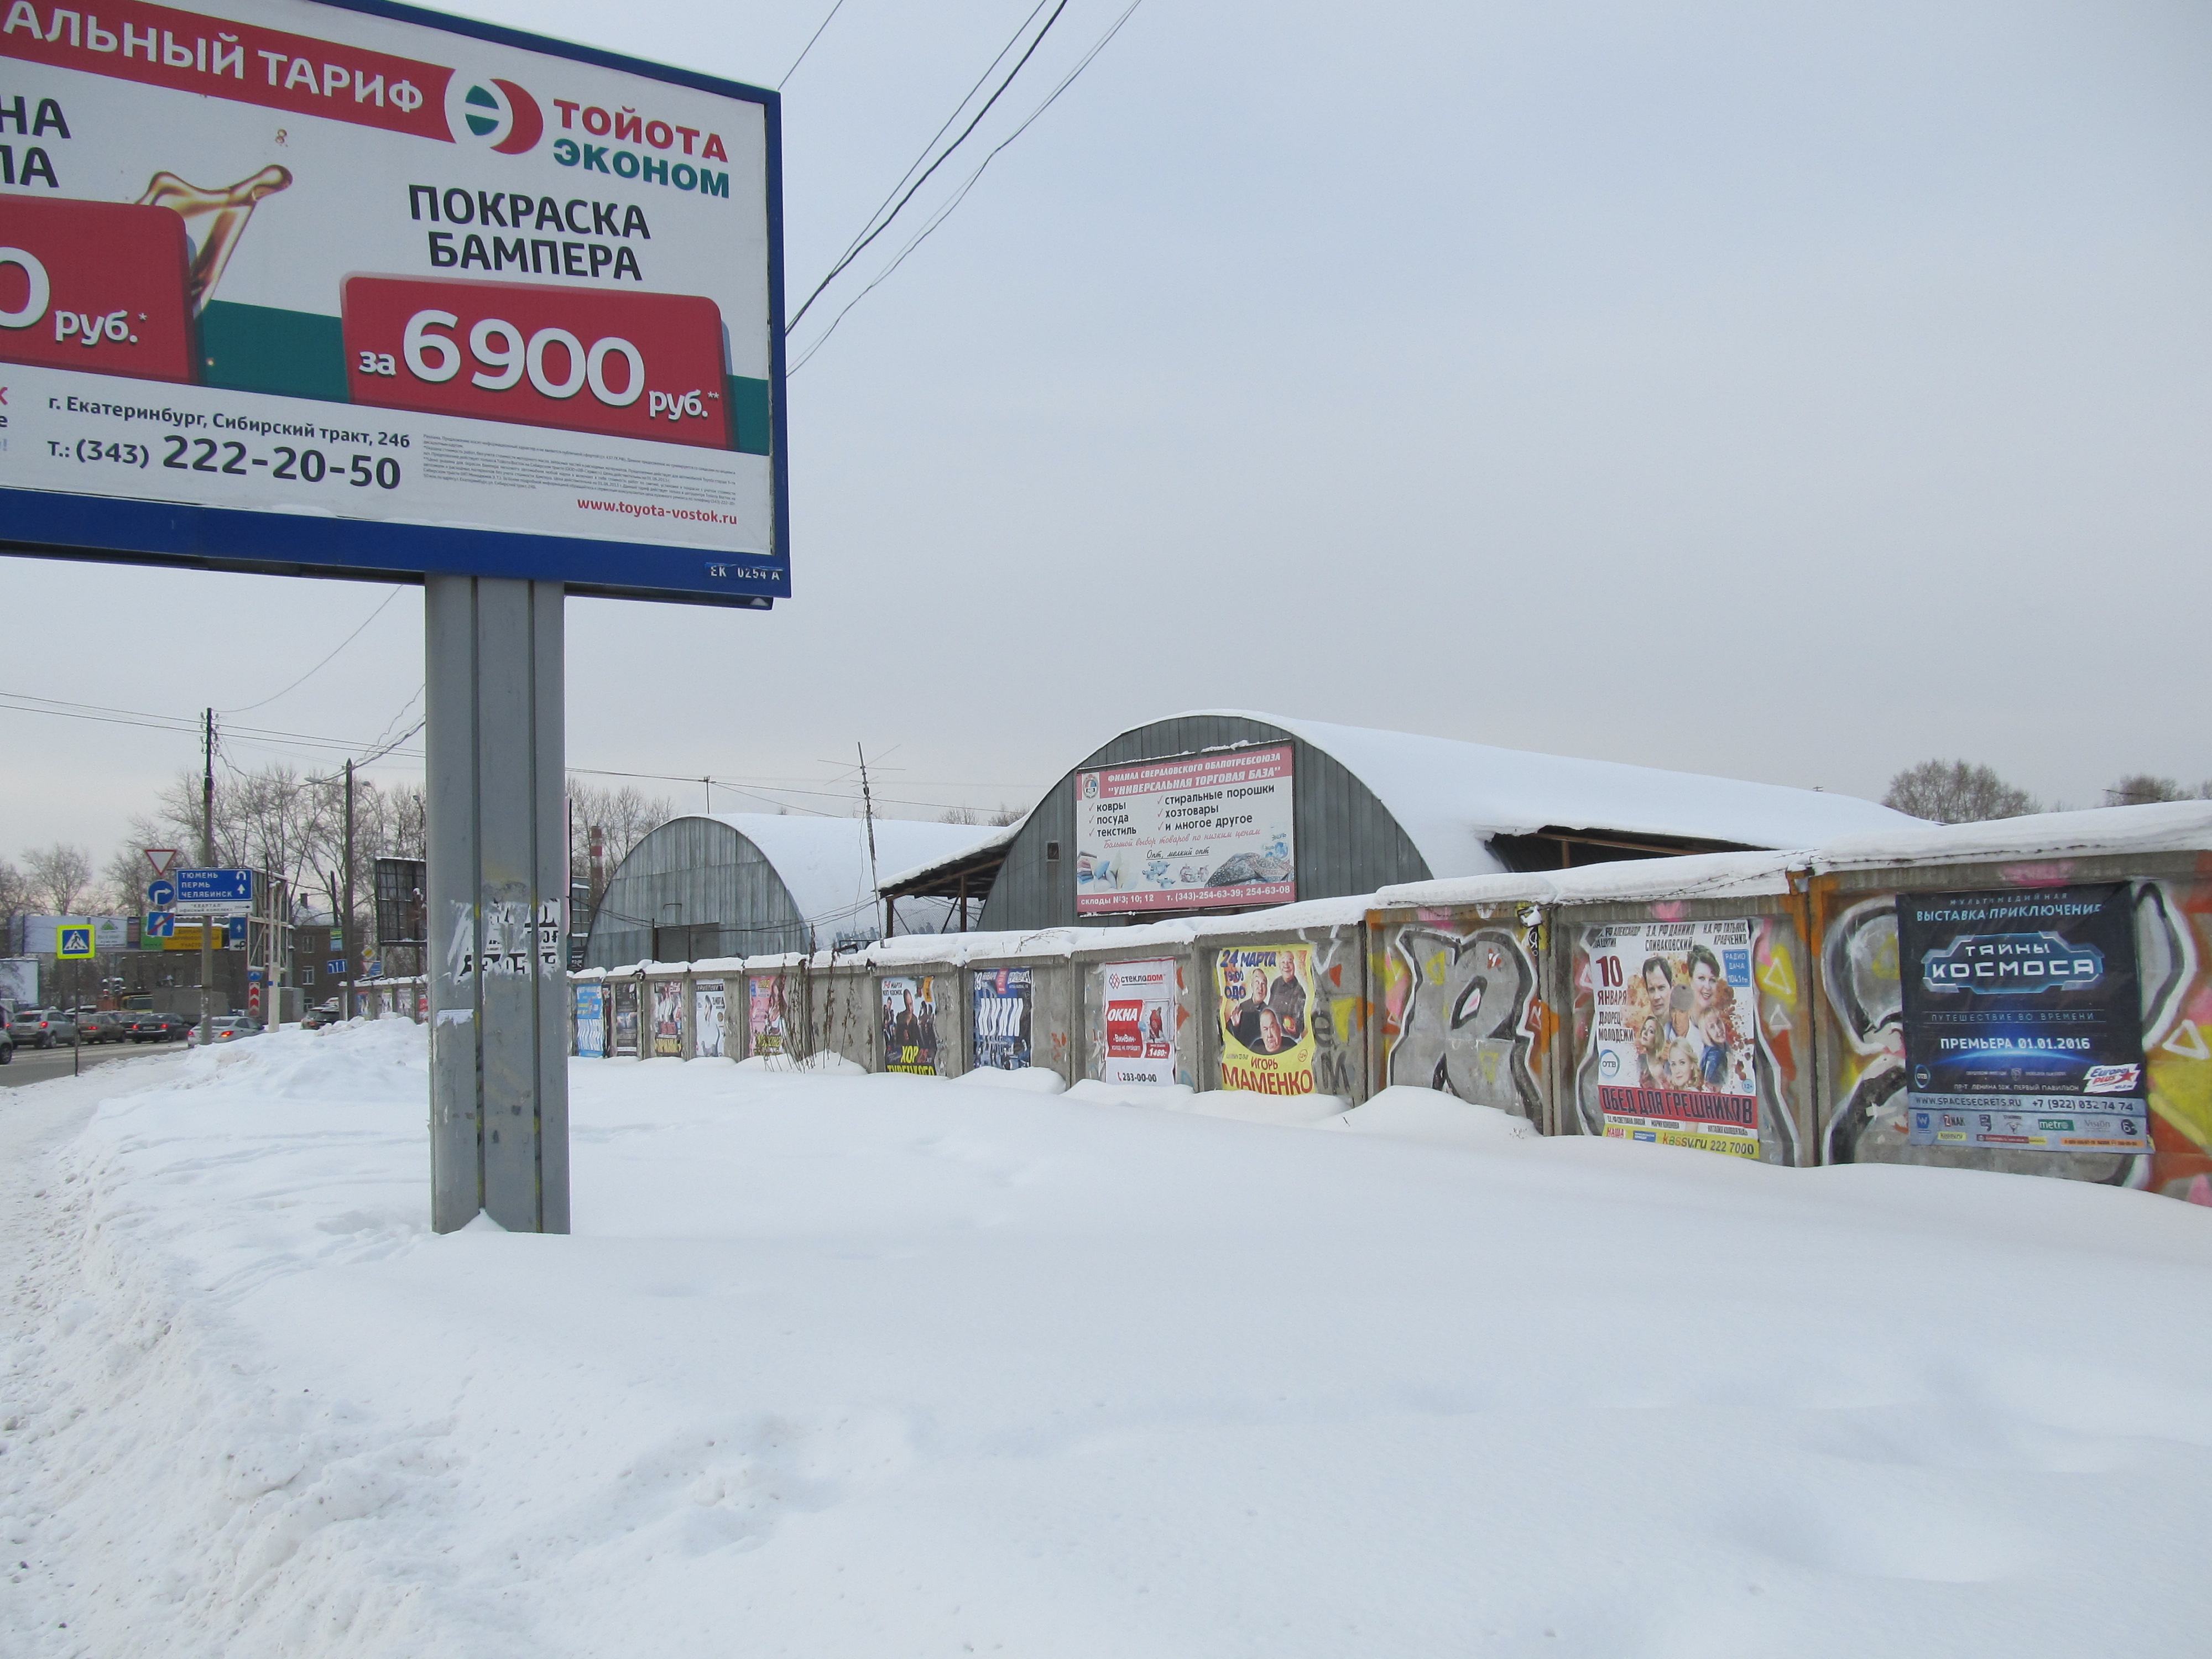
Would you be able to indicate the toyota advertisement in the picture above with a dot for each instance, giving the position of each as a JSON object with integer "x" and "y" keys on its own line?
{"x": 345, "y": 272}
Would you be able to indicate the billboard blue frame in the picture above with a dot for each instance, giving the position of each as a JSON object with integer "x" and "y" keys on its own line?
{"x": 51, "y": 524}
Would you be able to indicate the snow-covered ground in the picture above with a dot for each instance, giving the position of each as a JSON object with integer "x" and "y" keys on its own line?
{"x": 893, "y": 1366}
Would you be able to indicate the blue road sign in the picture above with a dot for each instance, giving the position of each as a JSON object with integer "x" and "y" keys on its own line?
{"x": 162, "y": 894}
{"x": 233, "y": 933}
{"x": 162, "y": 924}
{"x": 214, "y": 893}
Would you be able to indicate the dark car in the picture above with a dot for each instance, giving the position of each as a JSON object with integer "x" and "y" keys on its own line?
{"x": 99, "y": 1027}
{"x": 150, "y": 1026}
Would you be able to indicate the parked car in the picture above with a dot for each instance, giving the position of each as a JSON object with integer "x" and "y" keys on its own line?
{"x": 103, "y": 1027}
{"x": 322, "y": 1014}
{"x": 7, "y": 1046}
{"x": 225, "y": 1028}
{"x": 42, "y": 1027}
{"x": 148, "y": 1026}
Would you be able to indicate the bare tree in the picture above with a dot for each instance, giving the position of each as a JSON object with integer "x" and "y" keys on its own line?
{"x": 58, "y": 876}
{"x": 1952, "y": 792}
{"x": 14, "y": 894}
{"x": 2141, "y": 788}
{"x": 999, "y": 815}
{"x": 619, "y": 819}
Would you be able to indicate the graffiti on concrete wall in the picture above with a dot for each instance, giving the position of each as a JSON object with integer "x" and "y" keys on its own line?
{"x": 1460, "y": 1008}
{"x": 2173, "y": 943}
{"x": 1338, "y": 1013}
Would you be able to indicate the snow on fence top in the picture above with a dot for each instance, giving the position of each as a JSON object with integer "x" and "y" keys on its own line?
{"x": 2178, "y": 827}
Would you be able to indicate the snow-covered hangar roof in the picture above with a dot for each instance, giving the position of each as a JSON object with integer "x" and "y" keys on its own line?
{"x": 1382, "y": 807}
{"x": 1451, "y": 797}
{"x": 758, "y": 882}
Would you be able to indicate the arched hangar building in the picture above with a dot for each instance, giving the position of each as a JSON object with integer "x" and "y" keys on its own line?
{"x": 751, "y": 884}
{"x": 1219, "y": 811}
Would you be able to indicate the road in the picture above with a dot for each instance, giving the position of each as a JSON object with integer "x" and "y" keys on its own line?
{"x": 37, "y": 1065}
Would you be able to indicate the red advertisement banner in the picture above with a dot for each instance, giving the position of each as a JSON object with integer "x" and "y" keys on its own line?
{"x": 1680, "y": 1106}
{"x": 94, "y": 286}
{"x": 587, "y": 359}
{"x": 218, "y": 58}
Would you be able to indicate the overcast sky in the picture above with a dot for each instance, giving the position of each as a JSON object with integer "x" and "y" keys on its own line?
{"x": 1786, "y": 392}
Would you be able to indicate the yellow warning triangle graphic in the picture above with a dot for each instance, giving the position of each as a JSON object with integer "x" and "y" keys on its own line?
{"x": 2193, "y": 1049}
{"x": 1776, "y": 977}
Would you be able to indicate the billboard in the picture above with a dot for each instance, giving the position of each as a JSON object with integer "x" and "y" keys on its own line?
{"x": 1675, "y": 1033}
{"x": 1142, "y": 1007}
{"x": 1266, "y": 1037}
{"x": 1196, "y": 832}
{"x": 590, "y": 1022}
{"x": 462, "y": 299}
{"x": 19, "y": 982}
{"x": 41, "y": 935}
{"x": 2023, "y": 1020}
{"x": 1005, "y": 1008}
{"x": 909, "y": 1010}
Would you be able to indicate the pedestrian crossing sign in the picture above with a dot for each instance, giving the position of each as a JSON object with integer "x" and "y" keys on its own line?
{"x": 73, "y": 943}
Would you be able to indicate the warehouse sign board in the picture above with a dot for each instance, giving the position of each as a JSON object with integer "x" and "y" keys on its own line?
{"x": 1191, "y": 832}
{"x": 356, "y": 289}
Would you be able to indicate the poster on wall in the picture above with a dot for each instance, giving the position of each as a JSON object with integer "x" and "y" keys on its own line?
{"x": 2023, "y": 1026}
{"x": 1142, "y": 1005}
{"x": 625, "y": 1019}
{"x": 909, "y": 1007}
{"x": 766, "y": 1030}
{"x": 1006, "y": 1000}
{"x": 1196, "y": 832}
{"x": 467, "y": 300}
{"x": 1266, "y": 1038}
{"x": 668, "y": 1019}
{"x": 709, "y": 1004}
{"x": 1674, "y": 1033}
{"x": 591, "y": 1023}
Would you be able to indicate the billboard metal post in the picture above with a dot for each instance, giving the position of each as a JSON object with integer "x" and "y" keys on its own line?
{"x": 498, "y": 873}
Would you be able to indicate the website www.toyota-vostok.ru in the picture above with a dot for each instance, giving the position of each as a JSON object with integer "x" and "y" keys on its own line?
{"x": 693, "y": 514}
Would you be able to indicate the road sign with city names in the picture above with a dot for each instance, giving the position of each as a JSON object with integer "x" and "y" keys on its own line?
{"x": 214, "y": 893}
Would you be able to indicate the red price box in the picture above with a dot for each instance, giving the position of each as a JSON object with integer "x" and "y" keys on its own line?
{"x": 96, "y": 286}
{"x": 587, "y": 359}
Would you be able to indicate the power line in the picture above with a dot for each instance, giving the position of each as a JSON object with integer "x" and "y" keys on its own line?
{"x": 961, "y": 195}
{"x": 858, "y": 247}
{"x": 319, "y": 666}
{"x": 809, "y": 46}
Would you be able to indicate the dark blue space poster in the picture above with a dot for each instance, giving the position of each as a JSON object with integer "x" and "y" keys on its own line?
{"x": 2023, "y": 1025}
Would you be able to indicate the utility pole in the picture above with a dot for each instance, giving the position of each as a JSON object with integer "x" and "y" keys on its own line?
{"x": 868, "y": 811}
{"x": 207, "y": 862}
{"x": 346, "y": 942}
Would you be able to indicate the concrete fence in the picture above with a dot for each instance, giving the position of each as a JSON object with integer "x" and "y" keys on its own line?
{"x": 1606, "y": 1000}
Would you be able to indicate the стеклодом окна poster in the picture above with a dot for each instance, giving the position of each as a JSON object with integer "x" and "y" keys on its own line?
{"x": 2023, "y": 1024}
{"x": 1142, "y": 1004}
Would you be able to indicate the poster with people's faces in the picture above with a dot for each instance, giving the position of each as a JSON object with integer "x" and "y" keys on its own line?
{"x": 909, "y": 1005}
{"x": 1267, "y": 1040}
{"x": 1143, "y": 1008}
{"x": 764, "y": 1015}
{"x": 668, "y": 1019}
{"x": 1674, "y": 1019}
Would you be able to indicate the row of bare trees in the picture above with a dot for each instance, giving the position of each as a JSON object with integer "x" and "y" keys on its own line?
{"x": 1954, "y": 792}
{"x": 292, "y": 825}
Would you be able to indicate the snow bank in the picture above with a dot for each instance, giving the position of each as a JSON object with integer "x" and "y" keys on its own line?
{"x": 884, "y": 1366}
